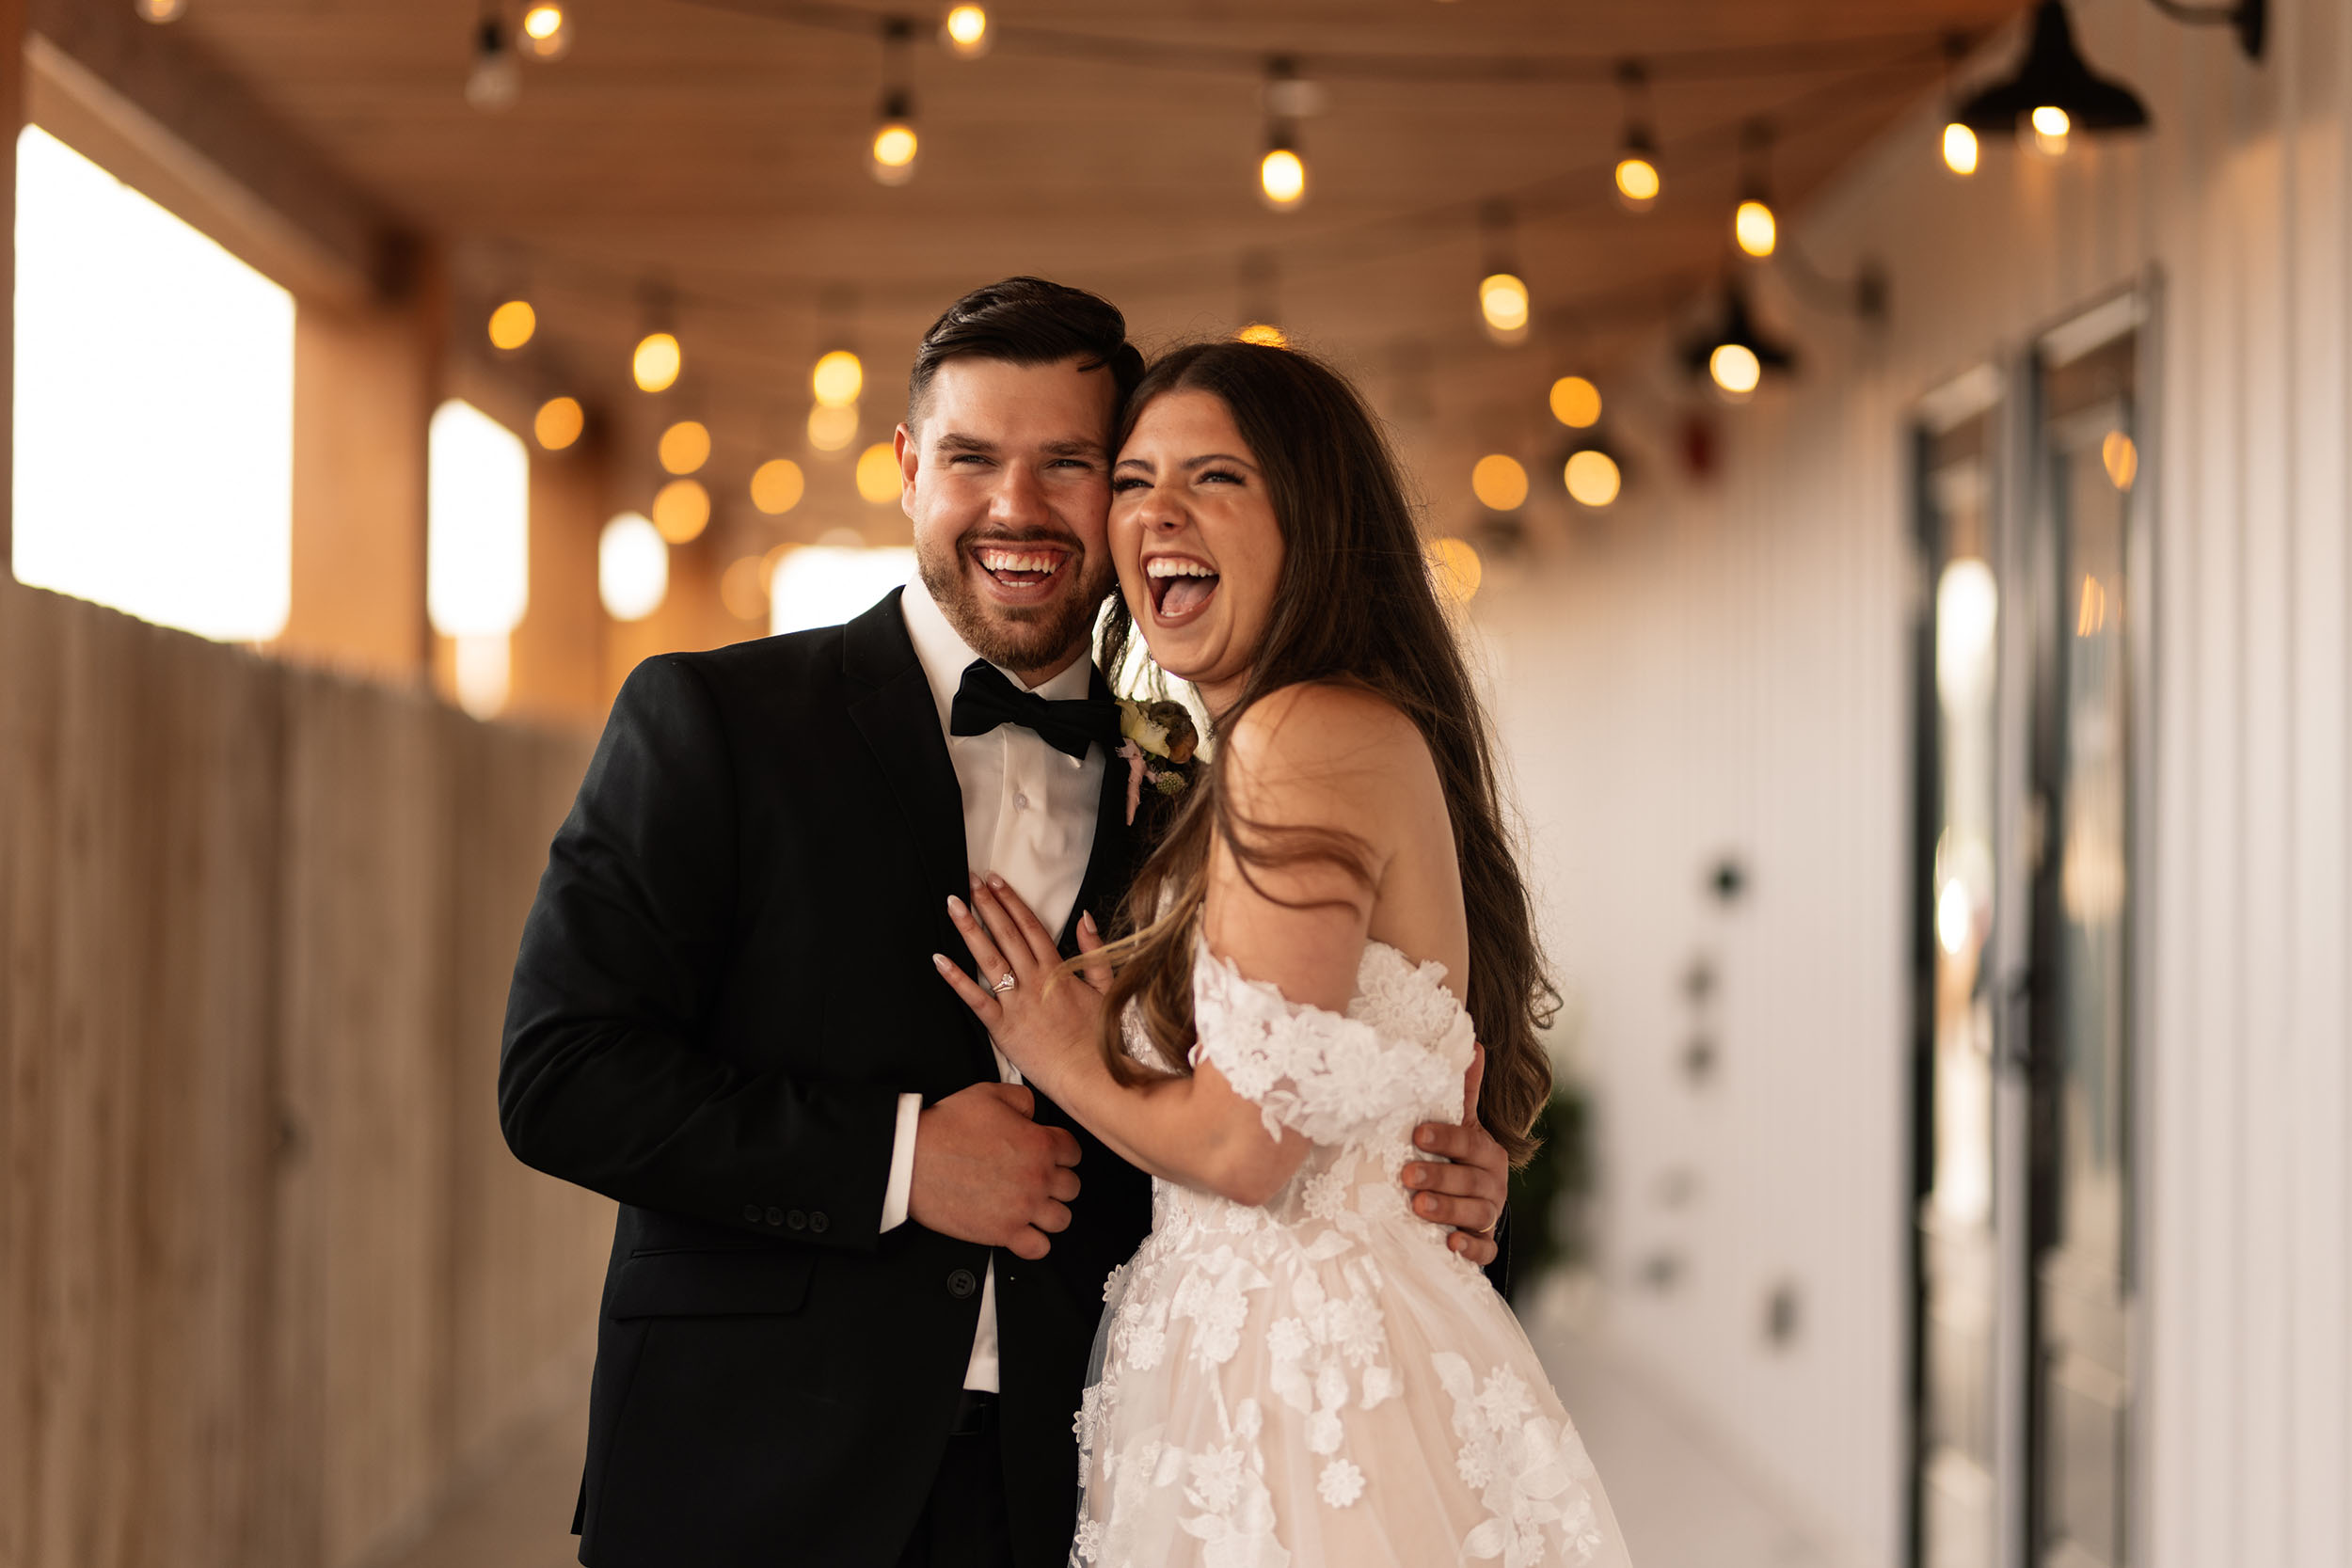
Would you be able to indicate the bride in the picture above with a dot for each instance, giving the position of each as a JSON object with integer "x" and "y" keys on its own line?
{"x": 1292, "y": 1368}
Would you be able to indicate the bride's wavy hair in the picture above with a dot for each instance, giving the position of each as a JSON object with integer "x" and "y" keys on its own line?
{"x": 1354, "y": 606}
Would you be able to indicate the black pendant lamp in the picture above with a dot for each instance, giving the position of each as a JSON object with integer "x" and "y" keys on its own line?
{"x": 2052, "y": 75}
{"x": 1735, "y": 353}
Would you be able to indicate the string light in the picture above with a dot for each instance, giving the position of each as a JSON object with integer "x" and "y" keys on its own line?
{"x": 1499, "y": 482}
{"x": 878, "y": 476}
{"x": 161, "y": 11}
{"x": 1735, "y": 367}
{"x": 966, "y": 33}
{"x": 1637, "y": 183}
{"x": 1754, "y": 228}
{"x": 1502, "y": 293}
{"x": 685, "y": 447}
{"x": 656, "y": 362}
{"x": 832, "y": 429}
{"x": 496, "y": 77}
{"x": 681, "y": 509}
{"x": 777, "y": 486}
{"x": 1593, "y": 478}
{"x": 632, "y": 567}
{"x": 1283, "y": 172}
{"x": 1735, "y": 353}
{"x": 2050, "y": 126}
{"x": 547, "y": 31}
{"x": 891, "y": 154}
{"x": 1960, "y": 150}
{"x": 559, "y": 422}
{"x": 512, "y": 325}
{"x": 1574, "y": 403}
{"x": 838, "y": 379}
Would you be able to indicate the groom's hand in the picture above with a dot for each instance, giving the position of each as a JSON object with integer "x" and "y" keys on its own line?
{"x": 1468, "y": 1176}
{"x": 984, "y": 1171}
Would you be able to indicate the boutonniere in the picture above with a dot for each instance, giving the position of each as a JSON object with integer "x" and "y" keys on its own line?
{"x": 1160, "y": 746}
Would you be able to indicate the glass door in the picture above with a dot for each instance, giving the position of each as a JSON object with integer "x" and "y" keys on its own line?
{"x": 2078, "y": 1016}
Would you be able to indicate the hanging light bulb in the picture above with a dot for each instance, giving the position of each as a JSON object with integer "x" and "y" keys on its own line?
{"x": 1754, "y": 227}
{"x": 1735, "y": 354}
{"x": 1574, "y": 401}
{"x": 2053, "y": 93}
{"x": 1502, "y": 304}
{"x": 2050, "y": 125}
{"x": 656, "y": 362}
{"x": 559, "y": 422}
{"x": 965, "y": 31}
{"x": 838, "y": 379}
{"x": 547, "y": 31}
{"x": 496, "y": 77}
{"x": 1736, "y": 369}
{"x": 161, "y": 11}
{"x": 681, "y": 509}
{"x": 1637, "y": 183}
{"x": 1282, "y": 175}
{"x": 685, "y": 447}
{"x": 832, "y": 429}
{"x": 1593, "y": 476}
{"x": 894, "y": 143}
{"x": 1498, "y": 482}
{"x": 1960, "y": 150}
{"x": 512, "y": 325}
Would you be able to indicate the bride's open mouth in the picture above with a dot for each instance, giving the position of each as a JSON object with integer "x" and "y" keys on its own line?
{"x": 1023, "y": 571}
{"x": 1181, "y": 587}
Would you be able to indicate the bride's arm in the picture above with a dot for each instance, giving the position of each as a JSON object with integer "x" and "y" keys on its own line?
{"x": 1315, "y": 757}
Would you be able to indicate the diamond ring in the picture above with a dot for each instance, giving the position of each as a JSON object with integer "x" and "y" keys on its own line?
{"x": 1004, "y": 985}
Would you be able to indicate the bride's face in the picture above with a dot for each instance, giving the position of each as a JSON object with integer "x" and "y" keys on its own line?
{"x": 1195, "y": 540}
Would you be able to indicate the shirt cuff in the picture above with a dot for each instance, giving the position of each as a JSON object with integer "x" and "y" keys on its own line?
{"x": 901, "y": 1185}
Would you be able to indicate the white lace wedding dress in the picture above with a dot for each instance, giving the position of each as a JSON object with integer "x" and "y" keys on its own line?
{"x": 1322, "y": 1381}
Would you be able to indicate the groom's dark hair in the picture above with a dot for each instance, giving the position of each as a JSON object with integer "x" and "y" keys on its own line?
{"x": 1026, "y": 321}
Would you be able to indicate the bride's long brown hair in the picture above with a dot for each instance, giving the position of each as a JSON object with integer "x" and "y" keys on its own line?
{"x": 1355, "y": 607}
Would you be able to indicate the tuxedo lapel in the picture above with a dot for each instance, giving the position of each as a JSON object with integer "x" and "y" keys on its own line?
{"x": 1111, "y": 862}
{"x": 890, "y": 703}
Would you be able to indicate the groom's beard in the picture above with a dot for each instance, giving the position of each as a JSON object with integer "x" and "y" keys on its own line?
{"x": 1020, "y": 638}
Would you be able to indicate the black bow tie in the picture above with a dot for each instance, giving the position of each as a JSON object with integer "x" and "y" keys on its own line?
{"x": 986, "y": 699}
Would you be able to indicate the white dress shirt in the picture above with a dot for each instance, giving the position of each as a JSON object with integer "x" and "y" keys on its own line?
{"x": 1029, "y": 816}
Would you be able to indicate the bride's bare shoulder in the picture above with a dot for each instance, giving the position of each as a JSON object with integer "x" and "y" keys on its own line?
{"x": 1334, "y": 751}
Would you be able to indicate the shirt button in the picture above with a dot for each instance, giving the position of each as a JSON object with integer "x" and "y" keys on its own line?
{"x": 775, "y": 1216}
{"x": 817, "y": 1221}
{"x": 960, "y": 1284}
{"x": 751, "y": 1212}
{"x": 1020, "y": 803}
{"x": 797, "y": 1220}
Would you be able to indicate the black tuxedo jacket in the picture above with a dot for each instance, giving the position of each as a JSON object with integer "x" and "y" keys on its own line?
{"x": 724, "y": 987}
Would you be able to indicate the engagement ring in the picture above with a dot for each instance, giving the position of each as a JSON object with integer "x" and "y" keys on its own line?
{"x": 1004, "y": 985}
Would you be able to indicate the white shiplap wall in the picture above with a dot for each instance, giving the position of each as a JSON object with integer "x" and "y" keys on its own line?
{"x": 1722, "y": 667}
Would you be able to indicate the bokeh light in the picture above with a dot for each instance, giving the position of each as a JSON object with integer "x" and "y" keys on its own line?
{"x": 1264, "y": 334}
{"x": 832, "y": 429}
{"x": 1502, "y": 301}
{"x": 1498, "y": 482}
{"x": 837, "y": 379}
{"x": 743, "y": 588}
{"x": 559, "y": 422}
{"x": 656, "y": 362}
{"x": 1637, "y": 182}
{"x": 512, "y": 325}
{"x": 681, "y": 509}
{"x": 1593, "y": 478}
{"x": 1575, "y": 403}
{"x": 1960, "y": 148}
{"x": 878, "y": 476}
{"x": 1735, "y": 367}
{"x": 966, "y": 31}
{"x": 632, "y": 567}
{"x": 685, "y": 447}
{"x": 777, "y": 486}
{"x": 1754, "y": 227}
{"x": 1282, "y": 179}
{"x": 1454, "y": 564}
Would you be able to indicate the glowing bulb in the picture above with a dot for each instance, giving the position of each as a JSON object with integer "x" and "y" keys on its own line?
{"x": 894, "y": 147}
{"x": 838, "y": 379}
{"x": 512, "y": 325}
{"x": 681, "y": 509}
{"x": 2121, "y": 459}
{"x": 878, "y": 473}
{"x": 743, "y": 590}
{"x": 1754, "y": 227}
{"x": 777, "y": 486}
{"x": 1593, "y": 478}
{"x": 832, "y": 429}
{"x": 656, "y": 362}
{"x": 685, "y": 447}
{"x": 1282, "y": 179}
{"x": 1637, "y": 182}
{"x": 965, "y": 31}
{"x": 1264, "y": 334}
{"x": 1455, "y": 566}
{"x": 1735, "y": 367}
{"x": 1955, "y": 920}
{"x": 1574, "y": 403}
{"x": 160, "y": 12}
{"x": 1503, "y": 300}
{"x": 2050, "y": 128}
{"x": 1499, "y": 482}
{"x": 632, "y": 567}
{"x": 1960, "y": 148}
{"x": 559, "y": 422}
{"x": 547, "y": 31}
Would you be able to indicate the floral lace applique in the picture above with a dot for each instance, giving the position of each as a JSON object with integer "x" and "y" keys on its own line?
{"x": 1530, "y": 1471}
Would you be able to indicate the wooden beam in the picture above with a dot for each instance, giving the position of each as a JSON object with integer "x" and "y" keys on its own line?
{"x": 12, "y": 32}
{"x": 147, "y": 103}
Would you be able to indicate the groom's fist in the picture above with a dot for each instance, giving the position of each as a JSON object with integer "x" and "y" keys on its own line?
{"x": 984, "y": 1171}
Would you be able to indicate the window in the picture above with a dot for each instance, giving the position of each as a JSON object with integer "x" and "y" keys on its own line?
{"x": 477, "y": 576}
{"x": 154, "y": 407}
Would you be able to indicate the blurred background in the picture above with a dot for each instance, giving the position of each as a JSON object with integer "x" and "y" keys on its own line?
{"x": 1891, "y": 460}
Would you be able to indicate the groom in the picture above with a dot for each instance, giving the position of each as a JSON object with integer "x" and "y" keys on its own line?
{"x": 858, "y": 1268}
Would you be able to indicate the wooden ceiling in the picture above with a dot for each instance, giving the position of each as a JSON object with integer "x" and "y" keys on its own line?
{"x": 716, "y": 151}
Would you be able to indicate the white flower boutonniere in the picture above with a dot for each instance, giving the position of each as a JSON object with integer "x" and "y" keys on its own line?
{"x": 1161, "y": 748}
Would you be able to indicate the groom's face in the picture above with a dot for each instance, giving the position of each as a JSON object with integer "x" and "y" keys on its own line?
{"x": 1006, "y": 480}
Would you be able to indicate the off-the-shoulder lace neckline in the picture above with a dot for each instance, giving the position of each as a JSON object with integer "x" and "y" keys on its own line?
{"x": 1429, "y": 972}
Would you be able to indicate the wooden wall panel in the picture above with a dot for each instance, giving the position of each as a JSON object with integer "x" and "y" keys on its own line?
{"x": 269, "y": 1281}
{"x": 1720, "y": 663}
